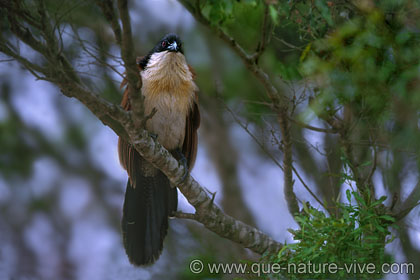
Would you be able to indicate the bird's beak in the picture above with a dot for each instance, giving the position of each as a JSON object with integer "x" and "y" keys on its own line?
{"x": 173, "y": 47}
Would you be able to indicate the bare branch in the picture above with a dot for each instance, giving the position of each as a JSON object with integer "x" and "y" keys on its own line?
{"x": 127, "y": 53}
{"x": 412, "y": 201}
{"x": 26, "y": 36}
{"x": 276, "y": 162}
{"x": 372, "y": 170}
{"x": 287, "y": 164}
{"x": 125, "y": 40}
{"x": 89, "y": 52}
{"x": 245, "y": 128}
{"x": 47, "y": 30}
{"x": 110, "y": 14}
{"x": 32, "y": 67}
{"x": 401, "y": 214}
{"x": 265, "y": 34}
{"x": 293, "y": 47}
{"x": 309, "y": 190}
{"x": 307, "y": 126}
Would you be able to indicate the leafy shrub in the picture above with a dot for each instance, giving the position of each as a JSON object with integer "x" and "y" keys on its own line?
{"x": 352, "y": 241}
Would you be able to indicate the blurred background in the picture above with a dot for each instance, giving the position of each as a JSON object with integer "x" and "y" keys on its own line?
{"x": 61, "y": 185}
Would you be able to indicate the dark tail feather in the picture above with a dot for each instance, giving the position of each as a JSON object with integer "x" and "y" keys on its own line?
{"x": 147, "y": 207}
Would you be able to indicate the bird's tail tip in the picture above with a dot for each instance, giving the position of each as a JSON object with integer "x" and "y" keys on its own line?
{"x": 147, "y": 207}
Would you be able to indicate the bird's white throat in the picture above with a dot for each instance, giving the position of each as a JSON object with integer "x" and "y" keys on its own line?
{"x": 167, "y": 65}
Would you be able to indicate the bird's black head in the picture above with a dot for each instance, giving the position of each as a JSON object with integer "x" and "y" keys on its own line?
{"x": 170, "y": 42}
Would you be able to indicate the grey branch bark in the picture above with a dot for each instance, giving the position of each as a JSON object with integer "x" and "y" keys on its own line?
{"x": 60, "y": 72}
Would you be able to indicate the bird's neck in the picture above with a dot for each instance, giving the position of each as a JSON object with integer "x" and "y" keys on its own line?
{"x": 167, "y": 72}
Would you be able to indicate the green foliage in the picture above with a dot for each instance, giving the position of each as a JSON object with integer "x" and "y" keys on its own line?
{"x": 368, "y": 63}
{"x": 351, "y": 239}
{"x": 218, "y": 11}
{"x": 365, "y": 55}
{"x": 234, "y": 17}
{"x": 357, "y": 236}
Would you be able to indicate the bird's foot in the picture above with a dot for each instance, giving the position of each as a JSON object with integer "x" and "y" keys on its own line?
{"x": 153, "y": 135}
{"x": 184, "y": 162}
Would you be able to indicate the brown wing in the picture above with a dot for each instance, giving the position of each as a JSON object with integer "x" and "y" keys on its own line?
{"x": 125, "y": 103}
{"x": 189, "y": 149}
{"x": 127, "y": 154}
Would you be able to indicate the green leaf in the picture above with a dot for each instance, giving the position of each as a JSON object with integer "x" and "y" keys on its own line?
{"x": 387, "y": 218}
{"x": 348, "y": 195}
{"x": 367, "y": 163}
{"x": 305, "y": 52}
{"x": 274, "y": 14}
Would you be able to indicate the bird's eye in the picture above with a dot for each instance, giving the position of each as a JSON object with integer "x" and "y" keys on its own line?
{"x": 164, "y": 44}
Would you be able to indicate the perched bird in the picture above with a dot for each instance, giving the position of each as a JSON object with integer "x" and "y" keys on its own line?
{"x": 168, "y": 86}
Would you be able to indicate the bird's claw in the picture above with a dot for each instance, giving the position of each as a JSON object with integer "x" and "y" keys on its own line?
{"x": 153, "y": 135}
{"x": 184, "y": 162}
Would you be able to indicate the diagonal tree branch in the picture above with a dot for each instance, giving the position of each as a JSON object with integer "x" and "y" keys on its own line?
{"x": 62, "y": 74}
{"x": 35, "y": 69}
{"x": 412, "y": 201}
{"x": 207, "y": 213}
{"x": 313, "y": 128}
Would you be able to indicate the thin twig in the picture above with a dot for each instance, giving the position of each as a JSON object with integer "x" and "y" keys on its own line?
{"x": 310, "y": 191}
{"x": 276, "y": 162}
{"x": 104, "y": 63}
{"x": 131, "y": 69}
{"x": 110, "y": 14}
{"x": 293, "y": 47}
{"x": 372, "y": 170}
{"x": 265, "y": 34}
{"x": 244, "y": 127}
{"x": 307, "y": 126}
